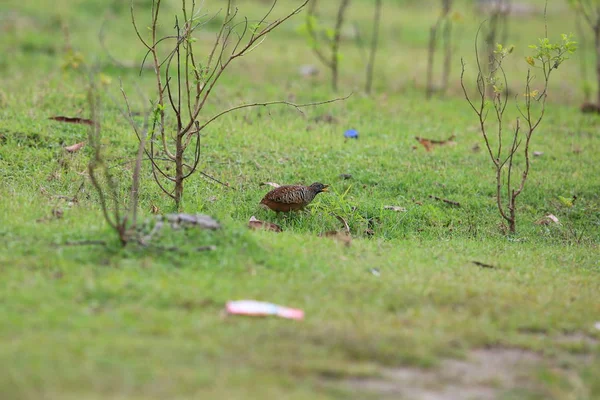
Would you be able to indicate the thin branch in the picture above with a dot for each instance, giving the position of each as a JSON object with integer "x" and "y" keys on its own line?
{"x": 269, "y": 103}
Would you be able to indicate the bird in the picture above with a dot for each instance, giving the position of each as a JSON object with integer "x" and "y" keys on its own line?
{"x": 292, "y": 197}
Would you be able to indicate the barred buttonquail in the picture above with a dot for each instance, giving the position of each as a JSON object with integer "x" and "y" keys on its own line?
{"x": 292, "y": 197}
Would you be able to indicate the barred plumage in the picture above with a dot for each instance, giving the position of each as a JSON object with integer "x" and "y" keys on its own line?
{"x": 292, "y": 197}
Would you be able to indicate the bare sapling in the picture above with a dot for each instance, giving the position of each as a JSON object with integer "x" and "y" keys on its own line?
{"x": 186, "y": 78}
{"x": 330, "y": 57}
{"x": 589, "y": 10}
{"x": 373, "y": 49}
{"x": 509, "y": 149}
{"x": 119, "y": 211}
{"x": 581, "y": 25}
{"x": 443, "y": 23}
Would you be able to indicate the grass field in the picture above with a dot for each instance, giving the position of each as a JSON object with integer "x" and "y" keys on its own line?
{"x": 402, "y": 312}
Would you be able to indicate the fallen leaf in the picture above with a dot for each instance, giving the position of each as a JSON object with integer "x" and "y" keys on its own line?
{"x": 343, "y": 237}
{"x": 210, "y": 247}
{"x": 72, "y": 120}
{"x": 538, "y": 153}
{"x": 547, "y": 220}
{"x": 57, "y": 213}
{"x": 343, "y": 221}
{"x": 430, "y": 143}
{"x": 375, "y": 271}
{"x": 74, "y": 147}
{"x": 425, "y": 142}
{"x": 275, "y": 185}
{"x": 395, "y": 208}
{"x": 154, "y": 209}
{"x": 105, "y": 79}
{"x": 258, "y": 224}
{"x": 54, "y": 176}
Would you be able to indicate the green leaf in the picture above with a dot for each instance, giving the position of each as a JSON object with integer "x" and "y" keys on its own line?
{"x": 530, "y": 61}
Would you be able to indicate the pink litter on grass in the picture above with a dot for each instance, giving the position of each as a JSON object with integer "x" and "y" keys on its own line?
{"x": 261, "y": 308}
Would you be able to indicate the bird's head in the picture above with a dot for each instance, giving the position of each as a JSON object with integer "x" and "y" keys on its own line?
{"x": 319, "y": 187}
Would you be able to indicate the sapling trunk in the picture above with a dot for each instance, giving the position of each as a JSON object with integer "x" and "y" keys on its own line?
{"x": 597, "y": 43}
{"x": 374, "y": 41}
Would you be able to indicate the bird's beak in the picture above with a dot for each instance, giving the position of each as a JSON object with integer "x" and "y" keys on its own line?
{"x": 325, "y": 189}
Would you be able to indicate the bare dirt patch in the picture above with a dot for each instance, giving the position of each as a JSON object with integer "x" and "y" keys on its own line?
{"x": 483, "y": 375}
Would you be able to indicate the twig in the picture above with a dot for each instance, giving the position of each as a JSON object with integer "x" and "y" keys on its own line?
{"x": 176, "y": 248}
{"x": 216, "y": 180}
{"x": 483, "y": 265}
{"x": 451, "y": 202}
{"x": 85, "y": 242}
{"x": 270, "y": 103}
{"x": 343, "y": 221}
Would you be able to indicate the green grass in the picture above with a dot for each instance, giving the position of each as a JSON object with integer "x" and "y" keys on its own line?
{"x": 91, "y": 322}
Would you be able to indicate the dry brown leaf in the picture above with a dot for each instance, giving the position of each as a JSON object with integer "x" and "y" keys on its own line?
{"x": 57, "y": 213}
{"x": 343, "y": 237}
{"x": 547, "y": 220}
{"x": 395, "y": 208}
{"x": 430, "y": 143}
{"x": 451, "y": 202}
{"x": 74, "y": 147}
{"x": 343, "y": 221}
{"x": 258, "y": 224}
{"x": 154, "y": 209}
{"x": 425, "y": 142}
{"x": 275, "y": 185}
{"x": 72, "y": 120}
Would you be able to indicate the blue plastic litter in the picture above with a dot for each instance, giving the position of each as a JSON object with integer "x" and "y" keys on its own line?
{"x": 351, "y": 134}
